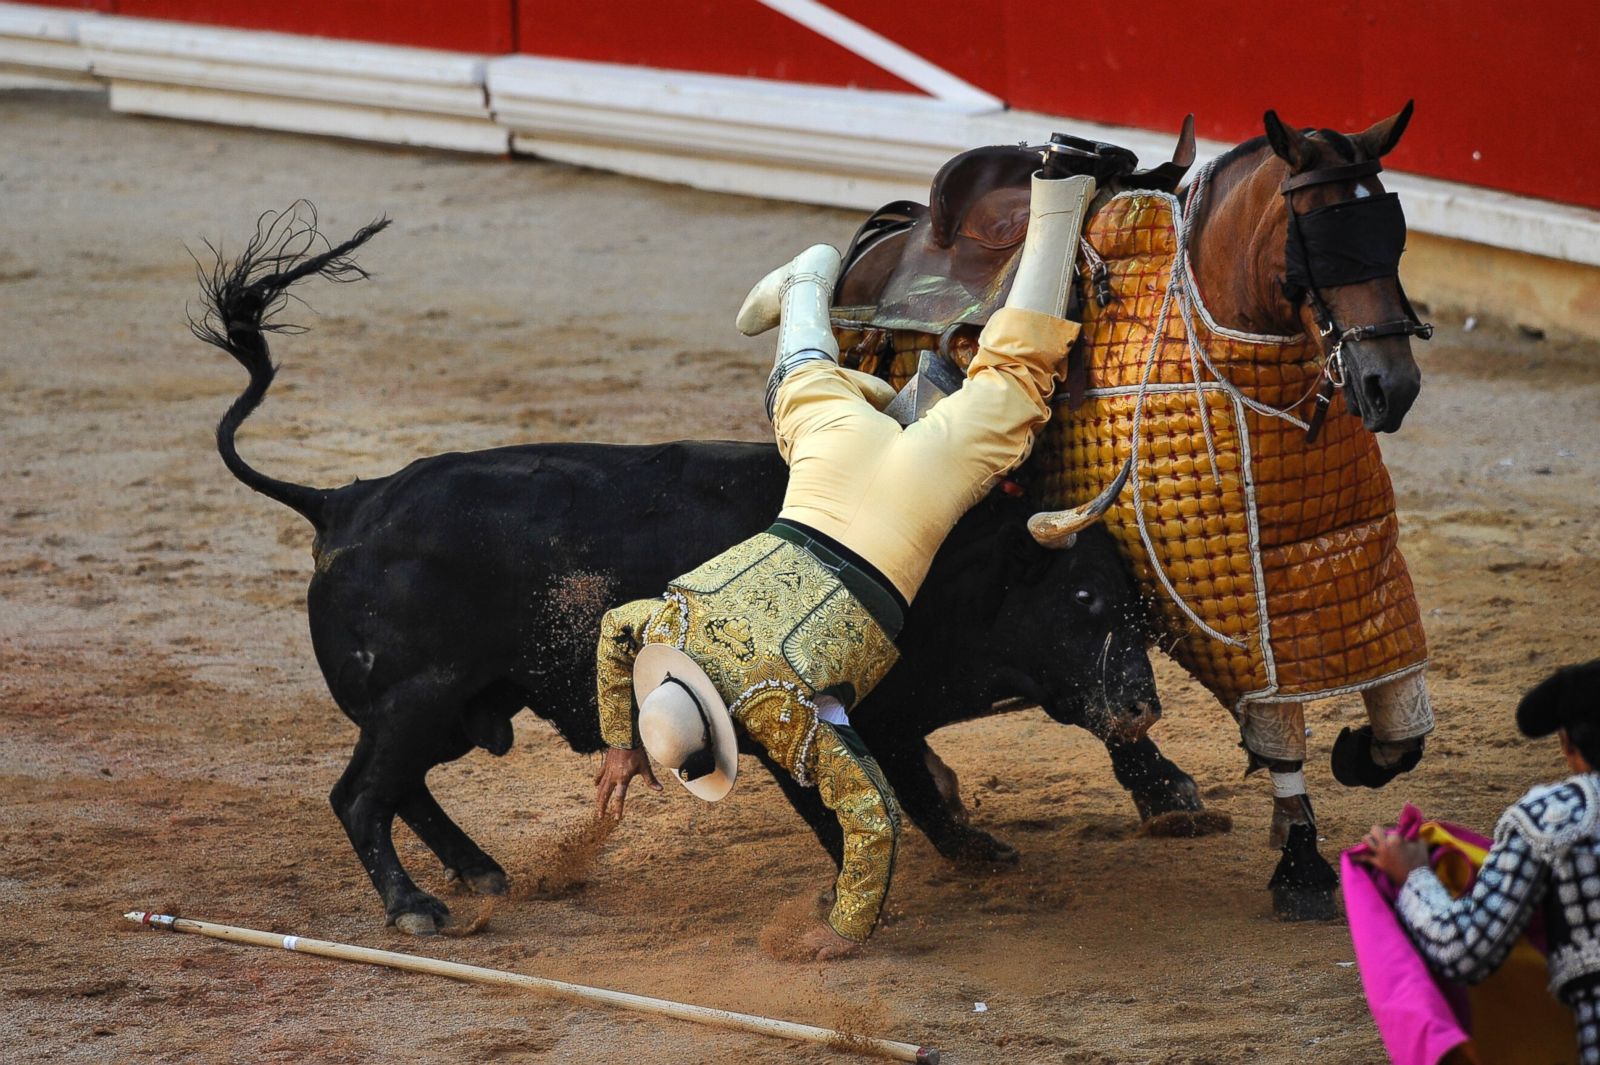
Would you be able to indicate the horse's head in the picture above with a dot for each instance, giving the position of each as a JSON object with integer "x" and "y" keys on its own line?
{"x": 1339, "y": 236}
{"x": 1297, "y": 234}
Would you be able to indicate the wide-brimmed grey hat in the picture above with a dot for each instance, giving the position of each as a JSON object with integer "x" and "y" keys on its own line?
{"x": 683, "y": 722}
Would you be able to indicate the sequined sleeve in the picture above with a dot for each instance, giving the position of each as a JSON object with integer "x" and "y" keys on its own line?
{"x": 1466, "y": 939}
{"x": 621, "y": 636}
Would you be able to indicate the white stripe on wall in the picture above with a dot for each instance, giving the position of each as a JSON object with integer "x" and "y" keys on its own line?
{"x": 882, "y": 52}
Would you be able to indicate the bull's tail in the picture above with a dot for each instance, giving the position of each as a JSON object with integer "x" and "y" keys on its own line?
{"x": 240, "y": 299}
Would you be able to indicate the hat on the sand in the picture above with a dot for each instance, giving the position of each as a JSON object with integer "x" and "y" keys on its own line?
{"x": 683, "y": 721}
{"x": 1569, "y": 698}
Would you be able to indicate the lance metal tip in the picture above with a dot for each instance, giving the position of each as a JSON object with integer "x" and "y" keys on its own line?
{"x": 477, "y": 974}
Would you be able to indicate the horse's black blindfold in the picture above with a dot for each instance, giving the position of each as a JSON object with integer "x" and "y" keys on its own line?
{"x": 1344, "y": 243}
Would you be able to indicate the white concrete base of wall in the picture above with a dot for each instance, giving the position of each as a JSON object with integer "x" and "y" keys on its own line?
{"x": 39, "y": 46}
{"x": 305, "y": 84}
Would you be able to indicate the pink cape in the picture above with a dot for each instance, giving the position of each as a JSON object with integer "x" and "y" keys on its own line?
{"x": 1419, "y": 1019}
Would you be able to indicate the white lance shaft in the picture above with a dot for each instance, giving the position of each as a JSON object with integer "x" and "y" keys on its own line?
{"x": 477, "y": 974}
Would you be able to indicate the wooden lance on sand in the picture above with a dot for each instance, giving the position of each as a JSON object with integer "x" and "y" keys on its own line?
{"x": 476, "y": 974}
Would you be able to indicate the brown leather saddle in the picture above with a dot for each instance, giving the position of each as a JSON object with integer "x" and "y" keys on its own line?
{"x": 939, "y": 268}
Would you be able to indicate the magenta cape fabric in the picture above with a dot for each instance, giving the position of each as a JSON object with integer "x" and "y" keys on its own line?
{"x": 1420, "y": 1020}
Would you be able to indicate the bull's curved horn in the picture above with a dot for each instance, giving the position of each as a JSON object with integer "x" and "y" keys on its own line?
{"x": 1058, "y": 528}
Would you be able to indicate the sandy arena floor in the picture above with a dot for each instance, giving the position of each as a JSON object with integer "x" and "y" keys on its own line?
{"x": 166, "y": 739}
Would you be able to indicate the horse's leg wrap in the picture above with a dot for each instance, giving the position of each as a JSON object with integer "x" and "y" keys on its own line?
{"x": 1290, "y": 804}
{"x": 1274, "y": 732}
{"x": 1400, "y": 711}
{"x": 1302, "y": 884}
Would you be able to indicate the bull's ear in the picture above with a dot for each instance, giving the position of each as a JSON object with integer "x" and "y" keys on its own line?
{"x": 1288, "y": 143}
{"x": 1380, "y": 140}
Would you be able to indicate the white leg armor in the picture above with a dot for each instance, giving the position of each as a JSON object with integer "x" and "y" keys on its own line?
{"x": 797, "y": 297}
{"x": 1055, "y": 222}
{"x": 1274, "y": 731}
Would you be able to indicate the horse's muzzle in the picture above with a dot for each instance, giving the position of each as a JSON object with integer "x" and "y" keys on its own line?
{"x": 1382, "y": 385}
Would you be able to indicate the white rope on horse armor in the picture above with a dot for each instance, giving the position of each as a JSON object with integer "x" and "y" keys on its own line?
{"x": 1178, "y": 287}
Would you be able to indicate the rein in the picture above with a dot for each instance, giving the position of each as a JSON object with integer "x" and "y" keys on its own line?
{"x": 1343, "y": 243}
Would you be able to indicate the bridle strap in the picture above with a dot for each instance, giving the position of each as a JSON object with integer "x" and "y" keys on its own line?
{"x": 1327, "y": 174}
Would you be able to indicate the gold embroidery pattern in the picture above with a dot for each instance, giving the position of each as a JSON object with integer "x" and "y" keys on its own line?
{"x": 765, "y": 611}
{"x": 772, "y": 627}
{"x": 853, "y": 787}
{"x": 622, "y": 631}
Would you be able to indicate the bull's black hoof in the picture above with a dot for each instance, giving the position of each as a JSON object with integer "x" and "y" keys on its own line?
{"x": 972, "y": 846}
{"x": 1303, "y": 883}
{"x": 1353, "y": 765}
{"x": 1186, "y": 824}
{"x": 489, "y": 880}
{"x": 1173, "y": 797}
{"x": 418, "y": 914}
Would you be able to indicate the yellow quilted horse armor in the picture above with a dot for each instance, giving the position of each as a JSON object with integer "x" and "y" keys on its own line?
{"x": 1292, "y": 553}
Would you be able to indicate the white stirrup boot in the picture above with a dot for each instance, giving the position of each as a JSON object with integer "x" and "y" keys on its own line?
{"x": 796, "y": 296}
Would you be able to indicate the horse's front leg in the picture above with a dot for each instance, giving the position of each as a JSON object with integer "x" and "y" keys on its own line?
{"x": 1303, "y": 883}
{"x": 1399, "y": 715}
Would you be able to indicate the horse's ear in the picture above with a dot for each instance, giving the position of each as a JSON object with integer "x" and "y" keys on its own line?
{"x": 1288, "y": 143}
{"x": 1383, "y": 136}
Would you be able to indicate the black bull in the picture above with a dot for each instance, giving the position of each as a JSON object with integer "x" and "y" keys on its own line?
{"x": 451, "y": 595}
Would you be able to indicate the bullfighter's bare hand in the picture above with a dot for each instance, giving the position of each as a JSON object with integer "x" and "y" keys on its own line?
{"x": 620, "y": 767}
{"x": 1392, "y": 854}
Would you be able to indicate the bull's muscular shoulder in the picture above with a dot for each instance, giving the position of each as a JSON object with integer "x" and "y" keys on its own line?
{"x": 1552, "y": 817}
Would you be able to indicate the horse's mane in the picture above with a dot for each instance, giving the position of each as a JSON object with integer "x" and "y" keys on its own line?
{"x": 1339, "y": 142}
{"x": 1249, "y": 147}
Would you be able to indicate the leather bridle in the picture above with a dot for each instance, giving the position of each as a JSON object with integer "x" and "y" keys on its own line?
{"x": 1343, "y": 243}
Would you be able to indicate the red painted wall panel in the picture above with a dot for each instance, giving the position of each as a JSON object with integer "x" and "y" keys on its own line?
{"x": 1504, "y": 95}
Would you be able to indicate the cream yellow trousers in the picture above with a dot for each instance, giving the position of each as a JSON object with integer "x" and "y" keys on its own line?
{"x": 892, "y": 494}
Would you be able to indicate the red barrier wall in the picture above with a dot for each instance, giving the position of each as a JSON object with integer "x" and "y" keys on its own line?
{"x": 1505, "y": 97}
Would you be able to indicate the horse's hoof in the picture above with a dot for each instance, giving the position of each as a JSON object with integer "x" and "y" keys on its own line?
{"x": 1293, "y": 903}
{"x": 1186, "y": 824}
{"x": 417, "y": 924}
{"x": 1352, "y": 762}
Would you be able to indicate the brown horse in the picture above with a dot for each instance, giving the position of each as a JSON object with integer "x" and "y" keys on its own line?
{"x": 1289, "y": 293}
